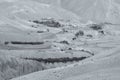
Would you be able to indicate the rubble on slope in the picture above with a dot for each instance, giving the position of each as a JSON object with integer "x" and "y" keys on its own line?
{"x": 48, "y": 22}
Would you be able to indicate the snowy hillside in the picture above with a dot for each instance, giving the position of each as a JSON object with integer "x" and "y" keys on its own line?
{"x": 48, "y": 40}
{"x": 95, "y": 10}
{"x": 91, "y": 69}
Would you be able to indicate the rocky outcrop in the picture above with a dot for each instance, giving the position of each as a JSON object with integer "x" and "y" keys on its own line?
{"x": 57, "y": 60}
{"x": 49, "y": 23}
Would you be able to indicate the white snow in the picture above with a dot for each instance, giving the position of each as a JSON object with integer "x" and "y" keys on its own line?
{"x": 26, "y": 23}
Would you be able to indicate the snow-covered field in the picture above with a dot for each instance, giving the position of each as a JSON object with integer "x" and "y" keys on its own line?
{"x": 49, "y": 40}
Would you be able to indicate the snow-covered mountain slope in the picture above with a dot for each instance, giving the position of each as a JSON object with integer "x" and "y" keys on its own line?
{"x": 36, "y": 36}
{"x": 22, "y": 8}
{"x": 91, "y": 10}
{"x": 21, "y": 38}
{"x": 95, "y": 10}
{"x": 51, "y": 2}
{"x": 16, "y": 19}
{"x": 18, "y": 15}
{"x": 106, "y": 67}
